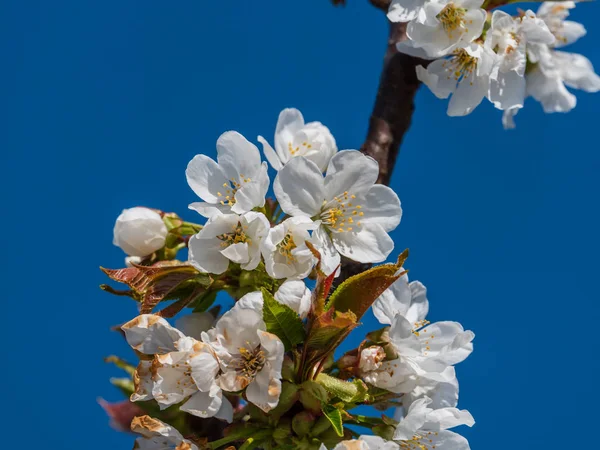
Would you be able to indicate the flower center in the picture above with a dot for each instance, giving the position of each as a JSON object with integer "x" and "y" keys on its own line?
{"x": 298, "y": 150}
{"x": 420, "y": 441}
{"x": 339, "y": 214}
{"x": 420, "y": 328}
{"x": 237, "y": 236}
{"x": 251, "y": 362}
{"x": 286, "y": 246}
{"x": 462, "y": 64}
{"x": 228, "y": 198}
{"x": 452, "y": 18}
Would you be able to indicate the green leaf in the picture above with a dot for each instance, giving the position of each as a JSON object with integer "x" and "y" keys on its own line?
{"x": 358, "y": 293}
{"x": 335, "y": 417}
{"x": 282, "y": 321}
{"x": 348, "y": 391}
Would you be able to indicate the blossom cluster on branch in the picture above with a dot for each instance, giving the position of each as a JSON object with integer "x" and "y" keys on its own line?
{"x": 480, "y": 52}
{"x": 269, "y": 371}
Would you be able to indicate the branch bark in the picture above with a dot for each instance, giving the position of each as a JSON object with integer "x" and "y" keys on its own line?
{"x": 394, "y": 104}
{"x": 391, "y": 116}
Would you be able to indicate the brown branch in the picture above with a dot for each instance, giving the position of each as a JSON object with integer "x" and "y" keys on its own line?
{"x": 391, "y": 116}
{"x": 394, "y": 104}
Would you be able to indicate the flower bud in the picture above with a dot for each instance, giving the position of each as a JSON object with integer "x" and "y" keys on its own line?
{"x": 139, "y": 231}
{"x": 302, "y": 423}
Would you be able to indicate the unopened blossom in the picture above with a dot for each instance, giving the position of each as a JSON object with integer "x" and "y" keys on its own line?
{"x": 139, "y": 231}
{"x": 371, "y": 358}
{"x": 236, "y": 183}
{"x": 182, "y": 369}
{"x": 426, "y": 428}
{"x": 424, "y": 350}
{"x": 284, "y": 248}
{"x": 157, "y": 435}
{"x": 443, "y": 26}
{"x": 404, "y": 298}
{"x": 228, "y": 237}
{"x": 293, "y": 138}
{"x": 250, "y": 357}
{"x": 465, "y": 74}
{"x": 509, "y": 38}
{"x": 292, "y": 293}
{"x": 354, "y": 214}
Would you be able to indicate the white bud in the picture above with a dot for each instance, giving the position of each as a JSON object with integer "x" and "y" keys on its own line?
{"x": 139, "y": 231}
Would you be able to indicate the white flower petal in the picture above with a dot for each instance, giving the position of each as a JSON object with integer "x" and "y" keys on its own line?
{"x": 205, "y": 255}
{"x": 350, "y": 171}
{"x": 330, "y": 258}
{"x": 270, "y": 154}
{"x": 237, "y": 253}
{"x": 238, "y": 158}
{"x": 404, "y": 10}
{"x": 438, "y": 77}
{"x": 203, "y": 404}
{"x": 296, "y": 295}
{"x": 299, "y": 188}
{"x": 289, "y": 123}
{"x": 370, "y": 244}
{"x": 264, "y": 391}
{"x": 252, "y": 193}
{"x": 442, "y": 419}
{"x": 205, "y": 177}
{"x": 414, "y": 420}
{"x": 381, "y": 205}
{"x": 151, "y": 334}
{"x": 507, "y": 91}
{"x": 577, "y": 71}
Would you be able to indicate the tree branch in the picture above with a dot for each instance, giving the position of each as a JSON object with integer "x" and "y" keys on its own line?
{"x": 394, "y": 104}
{"x": 391, "y": 116}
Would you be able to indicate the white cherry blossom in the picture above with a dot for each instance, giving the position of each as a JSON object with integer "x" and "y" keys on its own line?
{"x": 294, "y": 138}
{"x": 228, "y": 237}
{"x": 427, "y": 428}
{"x": 237, "y": 183}
{"x": 139, "y": 232}
{"x": 284, "y": 248}
{"x": 465, "y": 75}
{"x": 424, "y": 350}
{"x": 509, "y": 37}
{"x": 443, "y": 394}
{"x": 250, "y": 357}
{"x": 354, "y": 214}
{"x": 565, "y": 31}
{"x": 182, "y": 369}
{"x": 443, "y": 26}
{"x": 157, "y": 435}
{"x": 404, "y": 298}
{"x": 292, "y": 293}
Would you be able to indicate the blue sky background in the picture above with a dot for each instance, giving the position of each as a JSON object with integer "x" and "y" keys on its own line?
{"x": 103, "y": 104}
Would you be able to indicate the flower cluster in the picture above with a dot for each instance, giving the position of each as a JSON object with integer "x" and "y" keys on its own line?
{"x": 481, "y": 54}
{"x": 268, "y": 365}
